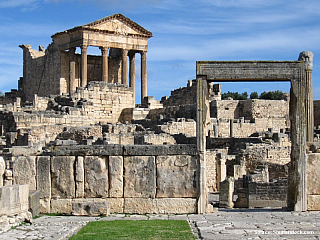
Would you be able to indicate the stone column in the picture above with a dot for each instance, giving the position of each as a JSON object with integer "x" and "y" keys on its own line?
{"x": 221, "y": 169}
{"x": 143, "y": 75}
{"x": 124, "y": 66}
{"x": 132, "y": 72}
{"x": 231, "y": 128}
{"x": 307, "y": 57}
{"x": 105, "y": 66}
{"x": 202, "y": 121}
{"x": 72, "y": 70}
{"x": 84, "y": 65}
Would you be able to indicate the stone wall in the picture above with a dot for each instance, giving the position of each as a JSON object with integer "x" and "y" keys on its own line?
{"x": 316, "y": 107}
{"x": 249, "y": 109}
{"x": 268, "y": 194}
{"x": 132, "y": 178}
{"x": 313, "y": 188}
{"x": 41, "y": 71}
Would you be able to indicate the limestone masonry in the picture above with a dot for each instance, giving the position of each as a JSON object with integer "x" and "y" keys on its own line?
{"x": 73, "y": 140}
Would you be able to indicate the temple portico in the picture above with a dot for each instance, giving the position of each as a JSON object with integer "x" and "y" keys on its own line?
{"x": 117, "y": 33}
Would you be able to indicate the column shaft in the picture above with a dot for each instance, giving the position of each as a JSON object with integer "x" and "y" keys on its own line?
{"x": 105, "y": 65}
{"x": 307, "y": 58}
{"x": 309, "y": 106}
{"x": 72, "y": 70}
{"x": 84, "y": 65}
{"x": 143, "y": 75}
{"x": 132, "y": 71}
{"x": 201, "y": 128}
{"x": 124, "y": 66}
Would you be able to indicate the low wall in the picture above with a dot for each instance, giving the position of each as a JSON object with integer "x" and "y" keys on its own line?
{"x": 132, "y": 178}
{"x": 313, "y": 173}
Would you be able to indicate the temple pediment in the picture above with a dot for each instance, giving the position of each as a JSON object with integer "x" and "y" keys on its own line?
{"x": 116, "y": 24}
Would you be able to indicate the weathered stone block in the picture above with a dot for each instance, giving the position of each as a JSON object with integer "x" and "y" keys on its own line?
{"x": 14, "y": 199}
{"x": 61, "y": 206}
{"x": 44, "y": 176}
{"x": 116, "y": 176}
{"x": 62, "y": 175}
{"x": 24, "y": 171}
{"x": 79, "y": 177}
{"x": 96, "y": 176}
{"x": 313, "y": 173}
{"x": 160, "y": 205}
{"x": 116, "y": 205}
{"x": 313, "y": 202}
{"x": 92, "y": 150}
{"x": 90, "y": 208}
{"x": 139, "y": 176}
{"x": 156, "y": 150}
{"x": 34, "y": 202}
{"x": 2, "y": 169}
{"x": 26, "y": 151}
{"x": 176, "y": 176}
{"x": 44, "y": 205}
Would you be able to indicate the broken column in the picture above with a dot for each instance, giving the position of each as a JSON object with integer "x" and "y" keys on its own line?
{"x": 226, "y": 193}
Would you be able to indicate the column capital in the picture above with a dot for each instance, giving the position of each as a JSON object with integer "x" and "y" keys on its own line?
{"x": 131, "y": 54}
{"x": 83, "y": 46}
{"x": 143, "y": 54}
{"x": 307, "y": 58}
{"x": 124, "y": 52}
{"x": 104, "y": 49}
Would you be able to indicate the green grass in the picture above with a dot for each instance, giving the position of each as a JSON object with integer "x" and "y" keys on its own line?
{"x": 139, "y": 229}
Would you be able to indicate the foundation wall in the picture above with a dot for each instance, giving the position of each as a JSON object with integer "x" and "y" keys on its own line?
{"x": 133, "y": 179}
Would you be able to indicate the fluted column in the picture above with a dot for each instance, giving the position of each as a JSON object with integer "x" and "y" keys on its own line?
{"x": 124, "y": 66}
{"x": 84, "y": 65}
{"x": 143, "y": 75}
{"x": 132, "y": 72}
{"x": 307, "y": 57}
{"x": 105, "y": 66}
{"x": 72, "y": 70}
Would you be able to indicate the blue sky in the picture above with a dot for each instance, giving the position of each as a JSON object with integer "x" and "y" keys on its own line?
{"x": 184, "y": 32}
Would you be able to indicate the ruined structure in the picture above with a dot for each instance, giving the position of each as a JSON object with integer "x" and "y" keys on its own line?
{"x": 74, "y": 135}
{"x": 58, "y": 69}
{"x": 299, "y": 73}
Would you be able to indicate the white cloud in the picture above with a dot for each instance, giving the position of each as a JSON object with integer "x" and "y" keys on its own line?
{"x": 18, "y": 3}
{"x": 114, "y": 3}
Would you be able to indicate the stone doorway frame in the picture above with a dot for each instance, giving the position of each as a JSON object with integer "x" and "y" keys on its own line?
{"x": 299, "y": 73}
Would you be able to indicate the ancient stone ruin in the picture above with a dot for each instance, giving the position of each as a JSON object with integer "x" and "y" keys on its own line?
{"x": 73, "y": 140}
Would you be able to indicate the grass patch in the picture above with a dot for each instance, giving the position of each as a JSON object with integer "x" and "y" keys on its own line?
{"x": 135, "y": 229}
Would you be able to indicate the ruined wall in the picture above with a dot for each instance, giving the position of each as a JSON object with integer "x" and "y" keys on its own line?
{"x": 133, "y": 179}
{"x": 249, "y": 109}
{"x": 182, "y": 96}
{"x": 276, "y": 158}
{"x": 316, "y": 107}
{"x": 98, "y": 103}
{"x": 267, "y": 194}
{"x": 41, "y": 71}
{"x": 245, "y": 128}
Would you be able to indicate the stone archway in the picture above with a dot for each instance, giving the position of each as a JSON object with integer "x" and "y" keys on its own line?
{"x": 299, "y": 73}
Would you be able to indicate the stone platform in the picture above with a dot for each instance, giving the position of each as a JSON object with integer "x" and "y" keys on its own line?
{"x": 224, "y": 224}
